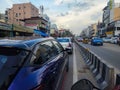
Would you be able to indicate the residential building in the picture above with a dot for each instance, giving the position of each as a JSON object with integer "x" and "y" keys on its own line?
{"x": 92, "y": 30}
{"x": 111, "y": 18}
{"x": 22, "y": 11}
{"x": 37, "y": 23}
{"x": 101, "y": 29}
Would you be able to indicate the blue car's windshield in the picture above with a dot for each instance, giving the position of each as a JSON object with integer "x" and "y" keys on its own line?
{"x": 97, "y": 38}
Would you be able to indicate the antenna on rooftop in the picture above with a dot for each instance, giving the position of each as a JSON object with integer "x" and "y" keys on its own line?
{"x": 41, "y": 10}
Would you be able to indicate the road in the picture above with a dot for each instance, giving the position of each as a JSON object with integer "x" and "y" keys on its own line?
{"x": 108, "y": 52}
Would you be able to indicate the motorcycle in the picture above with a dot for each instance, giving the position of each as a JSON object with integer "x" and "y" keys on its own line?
{"x": 84, "y": 84}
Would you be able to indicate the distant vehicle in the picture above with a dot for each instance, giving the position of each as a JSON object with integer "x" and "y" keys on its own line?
{"x": 79, "y": 39}
{"x": 37, "y": 64}
{"x": 85, "y": 40}
{"x": 66, "y": 43}
{"x": 107, "y": 39}
{"x": 114, "y": 40}
{"x": 96, "y": 41}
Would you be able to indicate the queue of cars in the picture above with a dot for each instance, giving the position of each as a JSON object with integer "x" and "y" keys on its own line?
{"x": 99, "y": 41}
{"x": 37, "y": 64}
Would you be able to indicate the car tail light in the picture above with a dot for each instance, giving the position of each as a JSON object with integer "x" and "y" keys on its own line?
{"x": 39, "y": 87}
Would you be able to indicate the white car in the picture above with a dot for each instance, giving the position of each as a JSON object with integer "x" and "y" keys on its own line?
{"x": 114, "y": 40}
{"x": 66, "y": 43}
{"x": 107, "y": 39}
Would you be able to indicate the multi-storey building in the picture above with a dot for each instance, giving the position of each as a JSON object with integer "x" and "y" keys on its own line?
{"x": 21, "y": 11}
{"x": 111, "y": 18}
{"x": 101, "y": 29}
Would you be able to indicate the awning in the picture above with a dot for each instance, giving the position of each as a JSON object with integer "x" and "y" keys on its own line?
{"x": 40, "y": 33}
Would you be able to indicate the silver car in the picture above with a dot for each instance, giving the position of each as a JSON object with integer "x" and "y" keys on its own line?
{"x": 66, "y": 43}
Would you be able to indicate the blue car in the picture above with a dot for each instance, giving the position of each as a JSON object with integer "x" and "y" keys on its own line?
{"x": 37, "y": 64}
{"x": 96, "y": 41}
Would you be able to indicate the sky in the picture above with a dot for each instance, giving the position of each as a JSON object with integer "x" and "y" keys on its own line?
{"x": 74, "y": 15}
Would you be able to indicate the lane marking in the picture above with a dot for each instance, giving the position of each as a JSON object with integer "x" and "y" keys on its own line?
{"x": 75, "y": 75}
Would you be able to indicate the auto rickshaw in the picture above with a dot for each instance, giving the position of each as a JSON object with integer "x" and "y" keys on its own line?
{"x": 85, "y": 40}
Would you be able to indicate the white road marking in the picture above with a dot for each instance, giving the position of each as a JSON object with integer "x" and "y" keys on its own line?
{"x": 75, "y": 75}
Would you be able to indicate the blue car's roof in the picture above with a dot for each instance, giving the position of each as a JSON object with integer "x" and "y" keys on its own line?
{"x": 10, "y": 64}
{"x": 24, "y": 44}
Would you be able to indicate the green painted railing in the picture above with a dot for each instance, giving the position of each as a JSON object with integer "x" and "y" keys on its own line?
{"x": 22, "y": 29}
{"x": 10, "y": 27}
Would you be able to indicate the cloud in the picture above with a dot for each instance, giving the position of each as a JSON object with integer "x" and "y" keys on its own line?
{"x": 77, "y": 19}
{"x": 72, "y": 14}
{"x": 58, "y": 2}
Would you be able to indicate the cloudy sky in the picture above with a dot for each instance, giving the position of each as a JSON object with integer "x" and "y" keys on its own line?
{"x": 70, "y": 14}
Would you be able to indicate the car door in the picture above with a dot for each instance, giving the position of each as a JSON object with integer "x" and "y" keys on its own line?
{"x": 50, "y": 57}
{"x": 63, "y": 64}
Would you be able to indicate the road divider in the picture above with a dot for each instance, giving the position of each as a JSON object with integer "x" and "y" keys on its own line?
{"x": 103, "y": 72}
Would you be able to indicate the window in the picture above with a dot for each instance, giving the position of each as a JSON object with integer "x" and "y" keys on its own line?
{"x": 19, "y": 8}
{"x": 43, "y": 52}
{"x": 16, "y": 19}
{"x": 16, "y": 14}
{"x": 58, "y": 47}
{"x": 118, "y": 28}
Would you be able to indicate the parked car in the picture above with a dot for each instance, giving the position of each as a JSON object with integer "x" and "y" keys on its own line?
{"x": 66, "y": 43}
{"x": 106, "y": 39}
{"x": 114, "y": 40}
{"x": 37, "y": 64}
{"x": 96, "y": 41}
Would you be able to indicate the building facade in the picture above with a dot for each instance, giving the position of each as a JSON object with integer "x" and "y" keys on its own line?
{"x": 21, "y": 11}
{"x": 111, "y": 18}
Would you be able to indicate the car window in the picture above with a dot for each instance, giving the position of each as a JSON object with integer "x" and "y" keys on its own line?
{"x": 58, "y": 47}
{"x": 43, "y": 52}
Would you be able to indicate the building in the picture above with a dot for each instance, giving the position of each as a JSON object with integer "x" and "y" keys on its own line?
{"x": 21, "y": 11}
{"x": 114, "y": 24}
{"x": 111, "y": 18}
{"x": 101, "y": 29}
{"x": 37, "y": 23}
